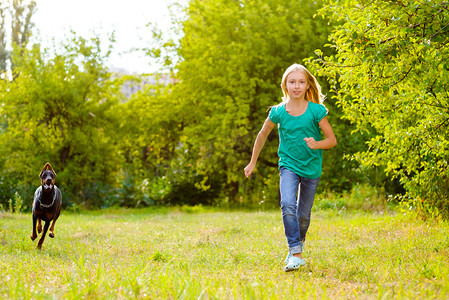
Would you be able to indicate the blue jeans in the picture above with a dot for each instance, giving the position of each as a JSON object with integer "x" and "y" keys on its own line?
{"x": 296, "y": 210}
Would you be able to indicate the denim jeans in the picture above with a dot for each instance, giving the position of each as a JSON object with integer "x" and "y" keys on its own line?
{"x": 296, "y": 210}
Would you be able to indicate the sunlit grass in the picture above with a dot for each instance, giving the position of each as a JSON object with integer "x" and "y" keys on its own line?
{"x": 201, "y": 253}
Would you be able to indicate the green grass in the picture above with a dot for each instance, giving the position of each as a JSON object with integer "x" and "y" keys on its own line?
{"x": 206, "y": 254}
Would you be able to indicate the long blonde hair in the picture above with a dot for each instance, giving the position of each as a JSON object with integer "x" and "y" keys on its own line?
{"x": 313, "y": 93}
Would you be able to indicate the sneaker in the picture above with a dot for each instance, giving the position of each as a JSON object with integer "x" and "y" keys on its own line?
{"x": 294, "y": 263}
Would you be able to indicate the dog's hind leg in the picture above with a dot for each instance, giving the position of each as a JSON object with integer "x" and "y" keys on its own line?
{"x": 34, "y": 234}
{"x": 44, "y": 232}
{"x": 39, "y": 226}
{"x": 52, "y": 234}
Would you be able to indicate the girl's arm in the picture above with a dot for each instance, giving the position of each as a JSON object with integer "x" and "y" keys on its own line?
{"x": 258, "y": 145}
{"x": 329, "y": 142}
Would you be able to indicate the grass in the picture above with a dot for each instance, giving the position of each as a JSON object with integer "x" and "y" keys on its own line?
{"x": 207, "y": 254}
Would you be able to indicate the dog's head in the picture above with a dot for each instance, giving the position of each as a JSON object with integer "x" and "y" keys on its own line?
{"x": 47, "y": 176}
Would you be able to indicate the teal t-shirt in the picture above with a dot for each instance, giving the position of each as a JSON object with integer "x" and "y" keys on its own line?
{"x": 294, "y": 154}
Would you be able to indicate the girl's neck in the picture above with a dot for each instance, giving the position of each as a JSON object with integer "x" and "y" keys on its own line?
{"x": 297, "y": 101}
{"x": 296, "y": 107}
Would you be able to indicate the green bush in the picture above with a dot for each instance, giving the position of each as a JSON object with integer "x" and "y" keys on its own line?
{"x": 361, "y": 197}
{"x": 188, "y": 191}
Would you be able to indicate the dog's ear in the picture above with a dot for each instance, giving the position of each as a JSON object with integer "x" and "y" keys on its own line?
{"x": 51, "y": 169}
{"x": 45, "y": 168}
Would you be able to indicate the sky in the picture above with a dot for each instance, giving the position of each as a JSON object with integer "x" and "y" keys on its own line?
{"x": 128, "y": 18}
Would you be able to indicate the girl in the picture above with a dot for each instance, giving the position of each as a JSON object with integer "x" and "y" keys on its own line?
{"x": 299, "y": 118}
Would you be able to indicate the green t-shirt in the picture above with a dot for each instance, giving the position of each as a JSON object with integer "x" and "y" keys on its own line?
{"x": 294, "y": 154}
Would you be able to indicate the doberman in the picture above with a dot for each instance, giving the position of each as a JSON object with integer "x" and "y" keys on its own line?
{"x": 46, "y": 205}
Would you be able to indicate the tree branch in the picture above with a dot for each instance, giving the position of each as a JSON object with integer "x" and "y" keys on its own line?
{"x": 403, "y": 77}
{"x": 438, "y": 32}
{"x": 442, "y": 123}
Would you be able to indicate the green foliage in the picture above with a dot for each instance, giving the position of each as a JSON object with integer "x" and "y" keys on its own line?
{"x": 391, "y": 78}
{"x": 362, "y": 197}
{"x": 182, "y": 143}
{"x": 60, "y": 108}
{"x": 340, "y": 174}
{"x": 187, "y": 191}
{"x": 16, "y": 204}
{"x": 149, "y": 136}
{"x": 160, "y": 257}
{"x": 232, "y": 56}
{"x": 152, "y": 192}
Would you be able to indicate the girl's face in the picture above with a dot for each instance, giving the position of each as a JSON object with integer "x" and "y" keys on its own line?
{"x": 297, "y": 85}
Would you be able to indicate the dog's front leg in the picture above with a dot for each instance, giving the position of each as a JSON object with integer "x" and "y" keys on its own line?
{"x": 34, "y": 234}
{"x": 44, "y": 232}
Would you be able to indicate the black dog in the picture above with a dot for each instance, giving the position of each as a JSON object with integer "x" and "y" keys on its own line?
{"x": 46, "y": 205}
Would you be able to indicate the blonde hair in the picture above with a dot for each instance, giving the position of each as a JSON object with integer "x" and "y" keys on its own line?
{"x": 313, "y": 93}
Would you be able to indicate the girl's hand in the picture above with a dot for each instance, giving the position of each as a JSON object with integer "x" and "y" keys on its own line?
{"x": 311, "y": 142}
{"x": 249, "y": 169}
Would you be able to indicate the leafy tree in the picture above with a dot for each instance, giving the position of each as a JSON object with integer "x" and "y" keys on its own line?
{"x": 61, "y": 110}
{"x": 231, "y": 58}
{"x": 21, "y": 26}
{"x": 3, "y": 51}
{"x": 21, "y": 22}
{"x": 391, "y": 75}
{"x": 149, "y": 136}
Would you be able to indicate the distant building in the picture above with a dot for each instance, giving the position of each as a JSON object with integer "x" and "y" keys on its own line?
{"x": 129, "y": 88}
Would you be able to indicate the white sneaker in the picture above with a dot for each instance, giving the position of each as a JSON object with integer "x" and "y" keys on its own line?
{"x": 294, "y": 263}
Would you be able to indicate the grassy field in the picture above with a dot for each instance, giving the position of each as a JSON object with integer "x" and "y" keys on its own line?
{"x": 206, "y": 254}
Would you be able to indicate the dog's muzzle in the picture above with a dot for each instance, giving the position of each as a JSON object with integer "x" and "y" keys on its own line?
{"x": 48, "y": 187}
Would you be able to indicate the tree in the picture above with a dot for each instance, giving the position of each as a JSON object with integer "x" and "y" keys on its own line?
{"x": 21, "y": 27}
{"x": 21, "y": 22}
{"x": 232, "y": 56}
{"x": 149, "y": 135}
{"x": 61, "y": 110}
{"x": 391, "y": 77}
{"x": 3, "y": 51}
